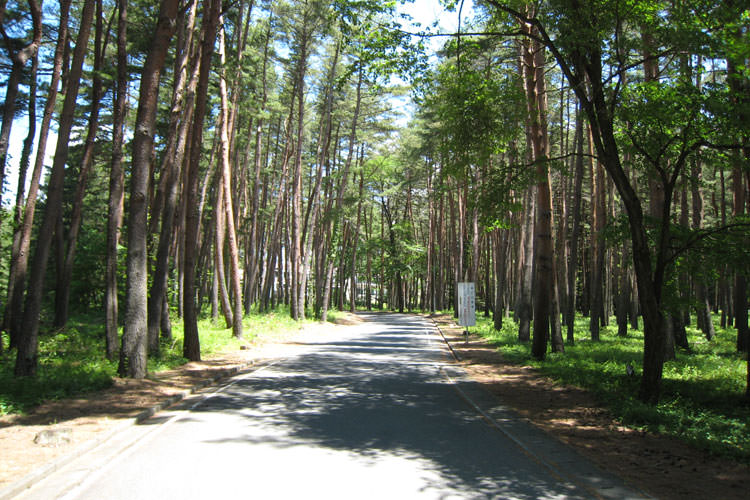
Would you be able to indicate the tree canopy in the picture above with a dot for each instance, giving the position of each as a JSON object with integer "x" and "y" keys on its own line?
{"x": 567, "y": 157}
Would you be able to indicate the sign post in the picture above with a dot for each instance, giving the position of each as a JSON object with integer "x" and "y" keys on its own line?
{"x": 466, "y": 306}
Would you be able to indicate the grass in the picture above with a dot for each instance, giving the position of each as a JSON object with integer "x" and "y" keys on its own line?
{"x": 72, "y": 361}
{"x": 702, "y": 399}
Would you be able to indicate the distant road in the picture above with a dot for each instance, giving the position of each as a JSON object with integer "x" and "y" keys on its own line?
{"x": 375, "y": 411}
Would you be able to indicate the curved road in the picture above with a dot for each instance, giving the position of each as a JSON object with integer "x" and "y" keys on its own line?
{"x": 375, "y": 411}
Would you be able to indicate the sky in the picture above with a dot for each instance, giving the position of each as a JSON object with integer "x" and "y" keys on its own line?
{"x": 424, "y": 12}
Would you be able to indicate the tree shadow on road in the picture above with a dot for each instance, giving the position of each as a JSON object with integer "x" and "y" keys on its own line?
{"x": 380, "y": 397}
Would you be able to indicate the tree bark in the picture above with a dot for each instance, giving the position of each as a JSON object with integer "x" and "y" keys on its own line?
{"x": 702, "y": 307}
{"x": 500, "y": 244}
{"x": 183, "y": 97}
{"x": 23, "y": 167}
{"x": 226, "y": 184}
{"x": 740, "y": 280}
{"x": 191, "y": 345}
{"x": 116, "y": 185}
{"x": 254, "y": 241}
{"x": 26, "y": 359}
{"x": 738, "y": 85}
{"x": 355, "y": 242}
{"x": 15, "y": 300}
{"x": 598, "y": 210}
{"x": 576, "y": 234}
{"x": 62, "y": 292}
{"x": 583, "y": 67}
{"x": 543, "y": 253}
{"x": 524, "y": 299}
{"x": 135, "y": 334}
{"x": 220, "y": 221}
{"x": 339, "y": 200}
{"x": 296, "y": 209}
{"x": 313, "y": 233}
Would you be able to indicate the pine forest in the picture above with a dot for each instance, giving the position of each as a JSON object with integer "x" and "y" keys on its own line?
{"x": 585, "y": 164}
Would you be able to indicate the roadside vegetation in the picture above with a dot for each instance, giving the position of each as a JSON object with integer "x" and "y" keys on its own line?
{"x": 703, "y": 400}
{"x": 568, "y": 158}
{"x": 72, "y": 361}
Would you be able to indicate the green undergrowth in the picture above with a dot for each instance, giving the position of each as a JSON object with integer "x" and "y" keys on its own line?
{"x": 72, "y": 360}
{"x": 702, "y": 398}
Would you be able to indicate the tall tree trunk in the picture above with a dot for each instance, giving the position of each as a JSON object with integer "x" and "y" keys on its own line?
{"x": 226, "y": 174}
{"x": 191, "y": 345}
{"x": 274, "y": 239}
{"x": 475, "y": 246}
{"x": 62, "y": 292}
{"x": 430, "y": 281}
{"x": 135, "y": 334}
{"x": 368, "y": 291}
{"x": 116, "y": 184}
{"x": 26, "y": 359}
{"x": 254, "y": 241}
{"x": 355, "y": 242}
{"x": 320, "y": 236}
{"x": 313, "y": 208}
{"x": 598, "y": 210}
{"x": 584, "y": 69}
{"x": 183, "y": 97}
{"x": 702, "y": 307}
{"x": 543, "y": 254}
{"x": 220, "y": 221}
{"x": 460, "y": 264}
{"x": 657, "y": 199}
{"x": 524, "y": 299}
{"x": 23, "y": 167}
{"x": 500, "y": 243}
{"x": 740, "y": 280}
{"x": 296, "y": 211}
{"x": 723, "y": 281}
{"x": 15, "y": 300}
{"x": 681, "y": 314}
{"x": 738, "y": 84}
{"x": 333, "y": 224}
{"x": 562, "y": 249}
{"x": 576, "y": 234}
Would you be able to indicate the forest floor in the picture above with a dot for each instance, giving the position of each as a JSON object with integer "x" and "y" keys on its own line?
{"x": 662, "y": 467}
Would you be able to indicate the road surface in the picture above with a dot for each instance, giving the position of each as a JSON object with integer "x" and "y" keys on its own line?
{"x": 374, "y": 411}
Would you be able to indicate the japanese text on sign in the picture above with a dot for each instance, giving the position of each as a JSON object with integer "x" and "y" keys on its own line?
{"x": 466, "y": 305}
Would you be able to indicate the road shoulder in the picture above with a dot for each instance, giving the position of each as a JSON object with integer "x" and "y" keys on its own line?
{"x": 660, "y": 466}
{"x": 77, "y": 425}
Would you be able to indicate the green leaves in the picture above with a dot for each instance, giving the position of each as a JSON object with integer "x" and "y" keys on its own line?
{"x": 703, "y": 389}
{"x": 663, "y": 121}
{"x": 474, "y": 114}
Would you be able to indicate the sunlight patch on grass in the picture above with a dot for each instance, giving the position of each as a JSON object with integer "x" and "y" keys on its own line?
{"x": 72, "y": 361}
{"x": 702, "y": 393}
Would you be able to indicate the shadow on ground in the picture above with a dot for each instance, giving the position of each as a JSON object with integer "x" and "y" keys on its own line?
{"x": 381, "y": 397}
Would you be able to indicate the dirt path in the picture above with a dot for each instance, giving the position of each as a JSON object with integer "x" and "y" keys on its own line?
{"x": 663, "y": 467}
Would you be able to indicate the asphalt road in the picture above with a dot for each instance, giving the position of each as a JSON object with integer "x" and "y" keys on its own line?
{"x": 376, "y": 411}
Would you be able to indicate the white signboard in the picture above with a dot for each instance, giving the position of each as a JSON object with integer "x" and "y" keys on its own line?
{"x": 466, "y": 305}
